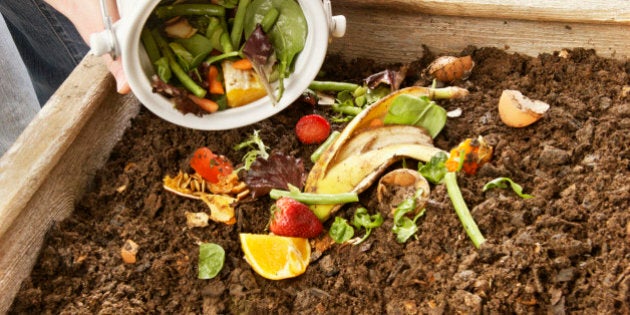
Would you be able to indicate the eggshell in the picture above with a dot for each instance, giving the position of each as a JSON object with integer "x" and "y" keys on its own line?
{"x": 516, "y": 110}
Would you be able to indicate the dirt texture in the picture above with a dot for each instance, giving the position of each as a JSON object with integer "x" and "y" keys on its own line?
{"x": 565, "y": 251}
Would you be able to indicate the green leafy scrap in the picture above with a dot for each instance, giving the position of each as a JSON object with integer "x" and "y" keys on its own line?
{"x": 211, "y": 259}
{"x": 362, "y": 219}
{"x": 257, "y": 148}
{"x": 405, "y": 227}
{"x": 419, "y": 111}
{"x": 340, "y": 231}
{"x": 434, "y": 170}
{"x": 502, "y": 182}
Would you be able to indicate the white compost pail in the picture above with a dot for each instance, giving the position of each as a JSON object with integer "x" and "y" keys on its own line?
{"x": 123, "y": 39}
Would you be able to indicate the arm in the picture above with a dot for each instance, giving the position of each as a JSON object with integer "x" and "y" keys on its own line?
{"x": 86, "y": 17}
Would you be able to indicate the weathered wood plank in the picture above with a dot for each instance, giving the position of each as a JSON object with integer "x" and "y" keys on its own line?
{"x": 587, "y": 11}
{"x": 399, "y": 36}
{"x": 52, "y": 162}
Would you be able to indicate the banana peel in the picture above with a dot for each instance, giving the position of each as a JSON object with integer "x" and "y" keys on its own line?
{"x": 362, "y": 121}
{"x": 383, "y": 136}
{"x": 362, "y": 152}
{"x": 358, "y": 172}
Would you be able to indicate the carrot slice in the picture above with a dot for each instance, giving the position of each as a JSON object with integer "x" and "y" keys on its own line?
{"x": 242, "y": 64}
{"x": 208, "y": 105}
{"x": 215, "y": 86}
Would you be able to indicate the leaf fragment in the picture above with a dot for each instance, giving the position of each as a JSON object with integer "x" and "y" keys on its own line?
{"x": 211, "y": 260}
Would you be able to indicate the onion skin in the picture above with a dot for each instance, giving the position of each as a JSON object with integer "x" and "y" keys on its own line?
{"x": 450, "y": 69}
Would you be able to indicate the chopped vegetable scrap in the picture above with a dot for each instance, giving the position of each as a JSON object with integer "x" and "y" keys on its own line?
{"x": 242, "y": 86}
{"x": 363, "y": 219}
{"x": 341, "y": 231}
{"x": 221, "y": 208}
{"x": 418, "y": 111}
{"x": 312, "y": 129}
{"x": 220, "y": 196}
{"x": 209, "y": 165}
{"x": 293, "y": 218}
{"x": 196, "y": 219}
{"x": 129, "y": 251}
{"x": 193, "y": 186}
{"x": 469, "y": 156}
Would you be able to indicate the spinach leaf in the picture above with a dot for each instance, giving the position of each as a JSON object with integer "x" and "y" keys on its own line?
{"x": 288, "y": 35}
{"x": 184, "y": 57}
{"x": 500, "y": 182}
{"x": 198, "y": 46}
{"x": 420, "y": 111}
{"x": 211, "y": 259}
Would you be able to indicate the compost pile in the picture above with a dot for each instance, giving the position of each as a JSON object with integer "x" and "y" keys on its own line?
{"x": 564, "y": 251}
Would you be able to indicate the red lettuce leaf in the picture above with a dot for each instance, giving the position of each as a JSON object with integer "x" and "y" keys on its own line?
{"x": 275, "y": 172}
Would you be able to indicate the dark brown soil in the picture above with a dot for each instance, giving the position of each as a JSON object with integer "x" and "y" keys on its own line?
{"x": 565, "y": 251}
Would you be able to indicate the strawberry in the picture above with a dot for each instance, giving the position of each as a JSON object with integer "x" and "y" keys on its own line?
{"x": 312, "y": 129}
{"x": 209, "y": 165}
{"x": 292, "y": 218}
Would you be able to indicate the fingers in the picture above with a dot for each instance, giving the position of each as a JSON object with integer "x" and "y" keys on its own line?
{"x": 115, "y": 67}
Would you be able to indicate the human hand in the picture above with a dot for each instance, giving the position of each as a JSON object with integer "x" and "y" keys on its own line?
{"x": 86, "y": 17}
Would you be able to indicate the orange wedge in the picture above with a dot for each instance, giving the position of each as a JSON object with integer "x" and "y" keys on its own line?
{"x": 276, "y": 257}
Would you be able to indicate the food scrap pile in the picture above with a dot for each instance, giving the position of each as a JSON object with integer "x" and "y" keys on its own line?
{"x": 506, "y": 217}
{"x": 215, "y": 55}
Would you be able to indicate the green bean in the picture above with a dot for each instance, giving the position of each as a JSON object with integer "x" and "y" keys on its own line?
{"x": 269, "y": 20}
{"x": 214, "y": 33}
{"x": 162, "y": 44}
{"x": 226, "y": 44}
{"x": 314, "y": 198}
{"x": 216, "y": 58}
{"x": 214, "y": 23}
{"x": 347, "y": 110}
{"x": 149, "y": 45}
{"x": 219, "y": 36}
{"x": 186, "y": 80}
{"x": 333, "y": 136}
{"x": 239, "y": 19}
{"x": 169, "y": 11}
{"x": 183, "y": 77}
{"x": 332, "y": 86}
